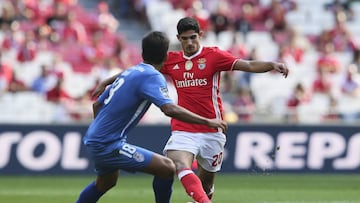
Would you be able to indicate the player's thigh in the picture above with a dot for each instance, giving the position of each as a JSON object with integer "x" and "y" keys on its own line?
{"x": 182, "y": 159}
{"x": 123, "y": 156}
{"x": 161, "y": 166}
{"x": 211, "y": 151}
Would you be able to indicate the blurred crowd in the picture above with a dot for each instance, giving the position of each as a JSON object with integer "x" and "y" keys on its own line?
{"x": 58, "y": 51}
{"x": 43, "y": 44}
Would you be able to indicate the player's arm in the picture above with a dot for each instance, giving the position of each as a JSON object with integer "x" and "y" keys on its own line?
{"x": 102, "y": 86}
{"x": 96, "y": 107}
{"x": 260, "y": 66}
{"x": 182, "y": 114}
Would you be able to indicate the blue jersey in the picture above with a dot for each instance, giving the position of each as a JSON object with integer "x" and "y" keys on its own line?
{"x": 125, "y": 102}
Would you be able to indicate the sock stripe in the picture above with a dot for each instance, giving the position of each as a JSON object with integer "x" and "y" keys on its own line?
{"x": 184, "y": 172}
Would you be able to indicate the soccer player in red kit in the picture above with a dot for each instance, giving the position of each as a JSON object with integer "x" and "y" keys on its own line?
{"x": 195, "y": 72}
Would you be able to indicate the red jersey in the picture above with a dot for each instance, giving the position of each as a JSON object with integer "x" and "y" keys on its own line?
{"x": 197, "y": 81}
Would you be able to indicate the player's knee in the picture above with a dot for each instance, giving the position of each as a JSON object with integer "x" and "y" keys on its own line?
{"x": 169, "y": 167}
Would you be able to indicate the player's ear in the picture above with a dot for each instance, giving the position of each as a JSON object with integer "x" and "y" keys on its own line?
{"x": 178, "y": 37}
{"x": 201, "y": 33}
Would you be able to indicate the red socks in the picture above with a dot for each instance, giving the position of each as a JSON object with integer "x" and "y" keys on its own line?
{"x": 192, "y": 185}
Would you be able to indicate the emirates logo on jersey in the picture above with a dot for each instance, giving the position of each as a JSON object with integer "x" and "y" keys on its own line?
{"x": 202, "y": 63}
{"x": 190, "y": 81}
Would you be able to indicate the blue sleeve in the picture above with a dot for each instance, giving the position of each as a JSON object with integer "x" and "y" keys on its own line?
{"x": 155, "y": 90}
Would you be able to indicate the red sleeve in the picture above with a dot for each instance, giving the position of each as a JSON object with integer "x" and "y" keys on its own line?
{"x": 224, "y": 60}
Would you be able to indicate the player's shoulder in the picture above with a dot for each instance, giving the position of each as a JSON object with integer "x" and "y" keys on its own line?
{"x": 175, "y": 54}
{"x": 211, "y": 49}
{"x": 142, "y": 70}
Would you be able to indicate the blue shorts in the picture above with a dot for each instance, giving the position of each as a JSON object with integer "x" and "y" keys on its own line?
{"x": 119, "y": 156}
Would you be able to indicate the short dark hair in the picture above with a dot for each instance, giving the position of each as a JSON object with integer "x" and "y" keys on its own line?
{"x": 186, "y": 24}
{"x": 155, "y": 45}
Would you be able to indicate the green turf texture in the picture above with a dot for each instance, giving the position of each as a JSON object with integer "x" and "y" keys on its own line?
{"x": 230, "y": 188}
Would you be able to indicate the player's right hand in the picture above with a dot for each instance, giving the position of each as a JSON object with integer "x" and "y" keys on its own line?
{"x": 216, "y": 123}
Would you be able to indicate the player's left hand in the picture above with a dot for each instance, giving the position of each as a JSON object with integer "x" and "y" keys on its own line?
{"x": 216, "y": 123}
{"x": 281, "y": 68}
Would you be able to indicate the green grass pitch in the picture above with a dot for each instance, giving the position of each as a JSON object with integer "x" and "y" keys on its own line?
{"x": 229, "y": 188}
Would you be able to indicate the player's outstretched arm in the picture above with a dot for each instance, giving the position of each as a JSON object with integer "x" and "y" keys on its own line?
{"x": 182, "y": 114}
{"x": 261, "y": 66}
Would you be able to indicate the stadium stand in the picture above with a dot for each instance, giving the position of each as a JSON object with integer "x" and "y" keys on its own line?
{"x": 75, "y": 43}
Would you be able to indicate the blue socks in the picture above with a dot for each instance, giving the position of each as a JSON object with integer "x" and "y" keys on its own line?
{"x": 89, "y": 194}
{"x": 162, "y": 189}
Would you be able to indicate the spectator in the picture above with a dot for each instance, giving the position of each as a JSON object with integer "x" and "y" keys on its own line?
{"x": 286, "y": 55}
{"x": 237, "y": 48}
{"x": 351, "y": 84}
{"x": 57, "y": 18}
{"x": 10, "y": 42}
{"x": 299, "y": 96}
{"x": 274, "y": 16}
{"x": 106, "y": 20}
{"x": 7, "y": 15}
{"x": 337, "y": 6}
{"x": 323, "y": 83}
{"x": 28, "y": 48}
{"x": 243, "y": 79}
{"x": 298, "y": 44}
{"x": 16, "y": 84}
{"x": 356, "y": 59}
{"x": 219, "y": 20}
{"x": 340, "y": 36}
{"x": 73, "y": 30}
{"x": 244, "y": 105}
{"x": 6, "y": 71}
{"x": 327, "y": 62}
{"x": 332, "y": 115}
{"x": 44, "y": 82}
{"x": 58, "y": 94}
{"x": 202, "y": 15}
{"x": 121, "y": 53}
{"x": 6, "y": 74}
{"x": 248, "y": 18}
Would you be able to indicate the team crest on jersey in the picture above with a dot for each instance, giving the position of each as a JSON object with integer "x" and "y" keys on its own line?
{"x": 165, "y": 92}
{"x": 138, "y": 157}
{"x": 202, "y": 63}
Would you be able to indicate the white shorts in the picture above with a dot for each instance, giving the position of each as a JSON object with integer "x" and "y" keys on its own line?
{"x": 208, "y": 148}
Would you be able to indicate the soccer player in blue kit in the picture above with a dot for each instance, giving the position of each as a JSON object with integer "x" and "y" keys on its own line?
{"x": 118, "y": 110}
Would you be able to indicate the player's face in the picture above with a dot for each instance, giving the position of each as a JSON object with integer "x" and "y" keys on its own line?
{"x": 190, "y": 42}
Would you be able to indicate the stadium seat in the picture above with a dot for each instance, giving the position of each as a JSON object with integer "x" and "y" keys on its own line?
{"x": 256, "y": 38}
{"x": 155, "y": 12}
